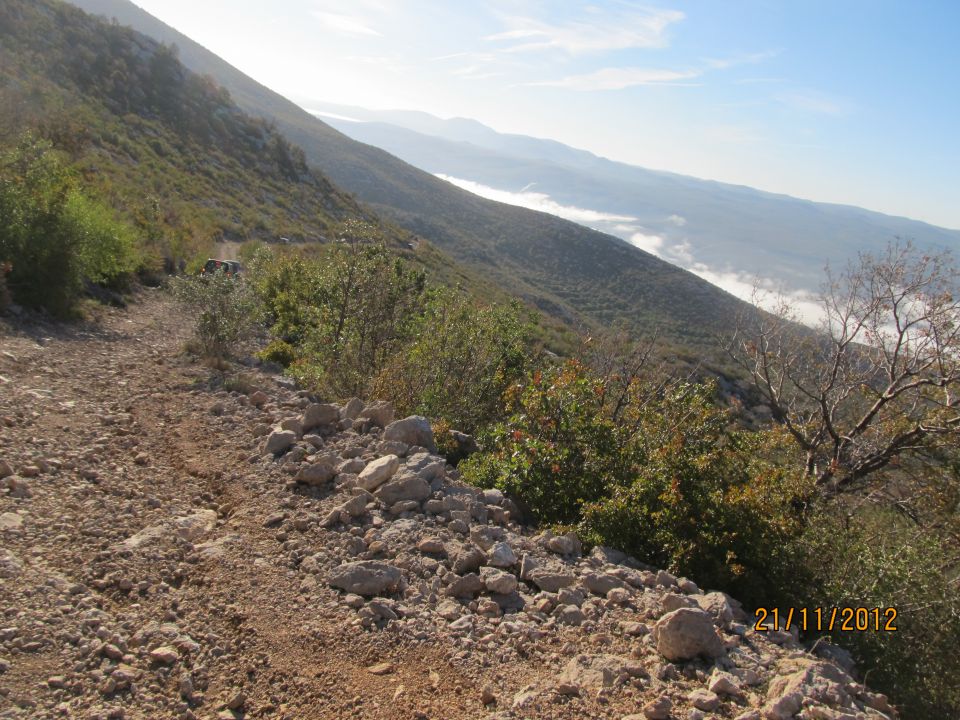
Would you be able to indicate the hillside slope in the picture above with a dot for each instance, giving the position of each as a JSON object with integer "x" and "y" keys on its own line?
{"x": 151, "y": 136}
{"x": 567, "y": 270}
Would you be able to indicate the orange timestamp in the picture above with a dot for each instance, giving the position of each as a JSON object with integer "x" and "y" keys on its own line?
{"x": 842, "y": 619}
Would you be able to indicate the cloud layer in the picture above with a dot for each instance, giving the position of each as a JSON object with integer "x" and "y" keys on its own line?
{"x": 675, "y": 250}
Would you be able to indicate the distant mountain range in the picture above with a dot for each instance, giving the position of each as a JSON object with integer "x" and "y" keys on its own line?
{"x": 728, "y": 233}
{"x": 581, "y": 276}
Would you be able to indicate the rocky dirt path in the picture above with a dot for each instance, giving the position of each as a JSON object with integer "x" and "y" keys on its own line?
{"x": 109, "y": 430}
{"x": 156, "y": 562}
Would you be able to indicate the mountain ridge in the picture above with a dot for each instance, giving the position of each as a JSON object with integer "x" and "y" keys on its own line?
{"x": 697, "y": 224}
{"x": 566, "y": 270}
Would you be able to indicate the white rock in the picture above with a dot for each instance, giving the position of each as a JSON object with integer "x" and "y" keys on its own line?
{"x": 378, "y": 472}
{"x": 501, "y": 555}
{"x": 686, "y": 633}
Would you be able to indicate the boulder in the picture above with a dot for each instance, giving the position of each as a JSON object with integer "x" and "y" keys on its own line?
{"x": 718, "y": 605}
{"x": 293, "y": 424}
{"x": 432, "y": 545}
{"x": 406, "y": 487}
{"x": 601, "y": 583}
{"x": 413, "y": 430}
{"x": 568, "y": 544}
{"x": 686, "y": 633}
{"x": 704, "y": 700}
{"x": 549, "y": 581}
{"x": 352, "y": 409}
{"x": 468, "y": 560}
{"x": 320, "y": 414}
{"x": 498, "y": 581}
{"x": 321, "y": 471}
{"x": 658, "y": 709}
{"x": 365, "y": 577}
{"x": 279, "y": 441}
{"x": 501, "y": 555}
{"x": 379, "y": 413}
{"x": 466, "y": 586}
{"x": 672, "y": 601}
{"x": 378, "y": 472}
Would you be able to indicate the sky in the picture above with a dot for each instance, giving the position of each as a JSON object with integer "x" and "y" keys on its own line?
{"x": 849, "y": 101}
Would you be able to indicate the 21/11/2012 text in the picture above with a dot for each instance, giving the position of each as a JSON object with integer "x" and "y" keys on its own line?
{"x": 845, "y": 619}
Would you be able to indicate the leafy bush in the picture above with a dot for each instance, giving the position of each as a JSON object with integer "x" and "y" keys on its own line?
{"x": 705, "y": 505}
{"x": 877, "y": 558}
{"x": 461, "y": 360}
{"x": 54, "y": 237}
{"x": 279, "y": 352}
{"x": 225, "y": 311}
{"x": 652, "y": 470}
{"x": 556, "y": 452}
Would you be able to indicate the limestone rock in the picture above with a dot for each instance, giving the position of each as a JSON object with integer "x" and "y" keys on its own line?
{"x": 279, "y": 441}
{"x": 601, "y": 583}
{"x": 549, "y": 581}
{"x": 658, "y": 709}
{"x": 406, "y": 487}
{"x": 498, "y": 581}
{"x": 320, "y": 472}
{"x": 466, "y": 586}
{"x": 686, "y": 633}
{"x": 379, "y": 413}
{"x": 718, "y": 605}
{"x": 501, "y": 555}
{"x": 365, "y": 577}
{"x": 412, "y": 430}
{"x": 352, "y": 409}
{"x": 319, "y": 414}
{"x": 378, "y": 472}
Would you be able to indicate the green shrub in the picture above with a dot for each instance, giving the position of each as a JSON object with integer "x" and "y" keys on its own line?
{"x": 279, "y": 352}
{"x": 706, "y": 505}
{"x": 557, "y": 451}
{"x": 53, "y": 237}
{"x": 461, "y": 360}
{"x": 875, "y": 557}
{"x": 225, "y": 312}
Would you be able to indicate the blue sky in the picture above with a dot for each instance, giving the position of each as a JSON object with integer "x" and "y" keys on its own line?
{"x": 845, "y": 101}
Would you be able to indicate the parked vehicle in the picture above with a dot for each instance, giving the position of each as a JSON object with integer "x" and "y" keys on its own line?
{"x": 230, "y": 267}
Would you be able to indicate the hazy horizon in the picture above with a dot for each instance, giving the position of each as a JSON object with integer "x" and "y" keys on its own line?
{"x": 844, "y": 103}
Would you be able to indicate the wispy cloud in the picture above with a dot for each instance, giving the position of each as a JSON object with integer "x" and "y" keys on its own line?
{"x": 741, "y": 59}
{"x": 345, "y": 24}
{"x": 620, "y": 78}
{"x": 629, "y": 27}
{"x": 813, "y": 102}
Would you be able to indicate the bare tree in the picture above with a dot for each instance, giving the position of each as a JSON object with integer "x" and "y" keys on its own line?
{"x": 879, "y": 380}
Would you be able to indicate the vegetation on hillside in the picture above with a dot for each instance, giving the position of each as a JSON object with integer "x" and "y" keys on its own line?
{"x": 53, "y": 237}
{"x": 168, "y": 149}
{"x": 635, "y": 457}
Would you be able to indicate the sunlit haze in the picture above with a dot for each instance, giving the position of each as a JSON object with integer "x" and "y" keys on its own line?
{"x": 852, "y": 102}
